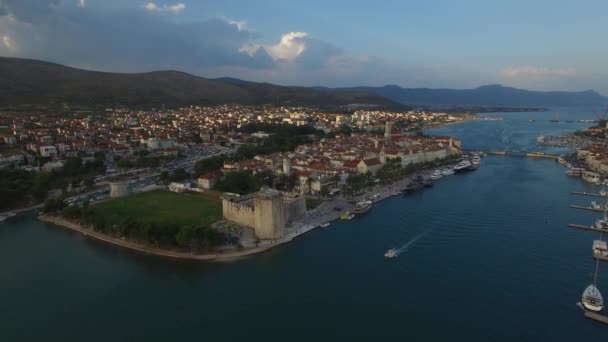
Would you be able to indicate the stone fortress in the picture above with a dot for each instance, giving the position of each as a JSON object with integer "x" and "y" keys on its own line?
{"x": 268, "y": 211}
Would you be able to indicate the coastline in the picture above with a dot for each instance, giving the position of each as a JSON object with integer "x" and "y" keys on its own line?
{"x": 216, "y": 256}
{"x": 313, "y": 220}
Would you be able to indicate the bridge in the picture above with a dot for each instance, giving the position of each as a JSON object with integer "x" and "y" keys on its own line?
{"x": 522, "y": 154}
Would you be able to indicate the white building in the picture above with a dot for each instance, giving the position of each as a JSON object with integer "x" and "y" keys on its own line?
{"x": 48, "y": 151}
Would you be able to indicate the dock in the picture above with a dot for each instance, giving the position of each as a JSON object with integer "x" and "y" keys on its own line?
{"x": 580, "y": 226}
{"x": 588, "y": 194}
{"x": 603, "y": 258}
{"x": 587, "y": 208}
{"x": 596, "y": 317}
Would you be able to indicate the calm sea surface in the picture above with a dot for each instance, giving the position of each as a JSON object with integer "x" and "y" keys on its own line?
{"x": 492, "y": 260}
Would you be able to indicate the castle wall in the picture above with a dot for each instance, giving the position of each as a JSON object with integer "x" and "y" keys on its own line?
{"x": 238, "y": 212}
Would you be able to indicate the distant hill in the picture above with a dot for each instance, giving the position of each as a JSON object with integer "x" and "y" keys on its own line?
{"x": 31, "y": 82}
{"x": 486, "y": 96}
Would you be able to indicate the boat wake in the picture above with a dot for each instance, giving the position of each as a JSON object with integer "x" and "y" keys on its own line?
{"x": 396, "y": 252}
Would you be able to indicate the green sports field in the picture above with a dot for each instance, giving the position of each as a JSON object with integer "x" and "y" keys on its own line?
{"x": 162, "y": 207}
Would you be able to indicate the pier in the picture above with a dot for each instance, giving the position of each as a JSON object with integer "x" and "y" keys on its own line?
{"x": 587, "y": 208}
{"x": 588, "y": 194}
{"x": 599, "y": 257}
{"x": 596, "y": 317}
{"x": 580, "y": 226}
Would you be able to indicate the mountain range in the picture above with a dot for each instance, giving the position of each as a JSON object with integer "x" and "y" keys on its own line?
{"x": 493, "y": 95}
{"x": 26, "y": 82}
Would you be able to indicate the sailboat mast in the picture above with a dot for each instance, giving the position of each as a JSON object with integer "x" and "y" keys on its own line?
{"x": 597, "y": 262}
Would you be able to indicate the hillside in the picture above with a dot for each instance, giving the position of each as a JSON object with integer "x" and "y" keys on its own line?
{"x": 487, "y": 96}
{"x": 30, "y": 82}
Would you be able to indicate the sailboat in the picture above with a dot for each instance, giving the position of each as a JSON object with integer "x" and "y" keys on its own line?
{"x": 592, "y": 298}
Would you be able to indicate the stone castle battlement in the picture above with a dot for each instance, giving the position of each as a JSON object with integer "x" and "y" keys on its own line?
{"x": 268, "y": 211}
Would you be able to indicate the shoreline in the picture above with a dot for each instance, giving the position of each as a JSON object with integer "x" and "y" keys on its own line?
{"x": 139, "y": 248}
{"x": 324, "y": 213}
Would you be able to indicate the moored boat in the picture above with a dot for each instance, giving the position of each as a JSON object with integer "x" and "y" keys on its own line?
{"x": 591, "y": 177}
{"x": 362, "y": 207}
{"x": 436, "y": 174}
{"x": 592, "y": 299}
{"x": 447, "y": 172}
{"x": 600, "y": 248}
{"x": 462, "y": 166}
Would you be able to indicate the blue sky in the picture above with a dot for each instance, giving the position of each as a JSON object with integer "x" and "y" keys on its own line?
{"x": 547, "y": 45}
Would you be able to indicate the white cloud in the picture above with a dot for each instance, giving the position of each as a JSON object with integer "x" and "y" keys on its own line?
{"x": 82, "y": 3}
{"x": 240, "y": 24}
{"x": 292, "y": 45}
{"x": 249, "y": 48}
{"x": 533, "y": 71}
{"x": 177, "y": 8}
{"x": 9, "y": 43}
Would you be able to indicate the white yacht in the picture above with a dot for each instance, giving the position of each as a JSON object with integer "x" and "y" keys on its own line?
{"x": 462, "y": 166}
{"x": 600, "y": 248}
{"x": 476, "y": 160}
{"x": 447, "y": 172}
{"x": 592, "y": 299}
{"x": 323, "y": 225}
{"x": 591, "y": 177}
{"x": 362, "y": 207}
{"x": 602, "y": 223}
{"x": 391, "y": 253}
{"x": 436, "y": 174}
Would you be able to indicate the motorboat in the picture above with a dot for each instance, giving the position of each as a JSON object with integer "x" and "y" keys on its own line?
{"x": 603, "y": 222}
{"x": 592, "y": 299}
{"x": 326, "y": 224}
{"x": 391, "y": 253}
{"x": 362, "y": 207}
{"x": 462, "y": 166}
{"x": 598, "y": 206}
{"x": 447, "y": 172}
{"x": 476, "y": 160}
{"x": 600, "y": 248}
{"x": 574, "y": 171}
{"x": 591, "y": 177}
{"x": 436, "y": 174}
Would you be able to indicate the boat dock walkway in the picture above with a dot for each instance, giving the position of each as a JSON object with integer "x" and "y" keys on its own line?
{"x": 596, "y": 317}
{"x": 587, "y": 208}
{"x": 588, "y": 194}
{"x": 603, "y": 258}
{"x": 580, "y": 226}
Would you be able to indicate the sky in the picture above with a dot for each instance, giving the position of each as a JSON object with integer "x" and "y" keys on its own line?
{"x": 533, "y": 44}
